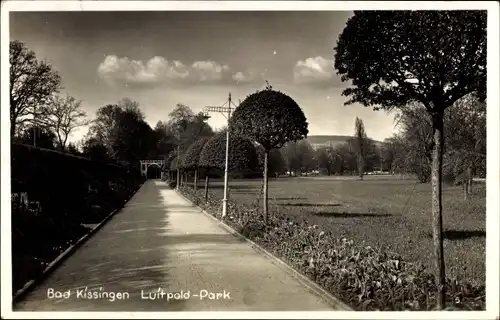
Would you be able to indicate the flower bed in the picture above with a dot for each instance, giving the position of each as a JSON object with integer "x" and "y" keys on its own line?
{"x": 363, "y": 277}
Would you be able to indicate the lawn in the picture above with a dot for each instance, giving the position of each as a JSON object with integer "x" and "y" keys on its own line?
{"x": 382, "y": 211}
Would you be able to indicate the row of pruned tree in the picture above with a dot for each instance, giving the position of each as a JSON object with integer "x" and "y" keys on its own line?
{"x": 207, "y": 155}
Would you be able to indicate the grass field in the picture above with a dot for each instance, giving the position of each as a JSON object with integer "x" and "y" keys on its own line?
{"x": 382, "y": 211}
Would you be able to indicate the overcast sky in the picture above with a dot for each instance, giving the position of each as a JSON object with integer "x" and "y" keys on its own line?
{"x": 160, "y": 59}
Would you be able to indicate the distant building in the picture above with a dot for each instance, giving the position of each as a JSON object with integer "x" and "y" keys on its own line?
{"x": 317, "y": 142}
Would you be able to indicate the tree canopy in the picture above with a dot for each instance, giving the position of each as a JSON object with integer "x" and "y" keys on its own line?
{"x": 270, "y": 118}
{"x": 395, "y": 57}
{"x": 192, "y": 156}
{"x": 32, "y": 84}
{"x": 242, "y": 153}
{"x": 121, "y": 128}
{"x": 187, "y": 127}
{"x": 360, "y": 144}
{"x": 63, "y": 115}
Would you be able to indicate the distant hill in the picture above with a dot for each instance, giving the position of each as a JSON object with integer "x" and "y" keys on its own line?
{"x": 316, "y": 141}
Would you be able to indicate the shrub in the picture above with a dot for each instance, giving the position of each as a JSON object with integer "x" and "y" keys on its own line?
{"x": 365, "y": 278}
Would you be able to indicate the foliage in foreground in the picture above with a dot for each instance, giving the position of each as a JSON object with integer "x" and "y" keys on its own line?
{"x": 363, "y": 277}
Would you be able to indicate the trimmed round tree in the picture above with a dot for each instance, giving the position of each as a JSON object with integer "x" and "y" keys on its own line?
{"x": 192, "y": 157}
{"x": 242, "y": 155}
{"x": 272, "y": 119}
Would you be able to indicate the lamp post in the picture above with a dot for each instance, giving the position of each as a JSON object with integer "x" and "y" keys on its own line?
{"x": 225, "y": 109}
{"x": 178, "y": 177}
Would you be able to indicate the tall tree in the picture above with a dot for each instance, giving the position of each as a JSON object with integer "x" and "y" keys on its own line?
{"x": 132, "y": 138}
{"x": 63, "y": 115}
{"x": 165, "y": 140}
{"x": 433, "y": 57}
{"x": 392, "y": 151}
{"x": 32, "y": 83}
{"x": 103, "y": 124}
{"x": 328, "y": 160}
{"x": 347, "y": 157}
{"x": 465, "y": 131}
{"x": 290, "y": 153}
{"x": 272, "y": 119}
{"x": 121, "y": 128}
{"x": 306, "y": 157}
{"x": 187, "y": 127}
{"x": 360, "y": 144}
{"x": 415, "y": 124}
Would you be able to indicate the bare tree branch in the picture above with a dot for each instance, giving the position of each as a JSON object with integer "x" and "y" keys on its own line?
{"x": 63, "y": 115}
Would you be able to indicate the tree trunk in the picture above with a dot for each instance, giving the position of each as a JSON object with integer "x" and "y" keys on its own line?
{"x": 195, "y": 179}
{"x": 465, "y": 186}
{"x": 12, "y": 129}
{"x": 437, "y": 208}
{"x": 266, "y": 217}
{"x": 178, "y": 178}
{"x": 206, "y": 188}
{"x": 469, "y": 180}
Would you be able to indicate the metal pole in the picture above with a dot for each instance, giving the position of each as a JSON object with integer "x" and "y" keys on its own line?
{"x": 34, "y": 128}
{"x": 177, "y": 167}
{"x": 224, "y": 201}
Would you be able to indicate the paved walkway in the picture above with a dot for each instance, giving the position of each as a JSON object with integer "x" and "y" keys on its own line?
{"x": 159, "y": 242}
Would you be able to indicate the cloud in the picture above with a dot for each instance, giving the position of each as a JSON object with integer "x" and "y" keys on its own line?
{"x": 157, "y": 70}
{"x": 209, "y": 70}
{"x": 250, "y": 76}
{"x": 314, "y": 70}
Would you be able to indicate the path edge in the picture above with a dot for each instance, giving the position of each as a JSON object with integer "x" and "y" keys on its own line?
{"x": 30, "y": 285}
{"x": 311, "y": 285}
